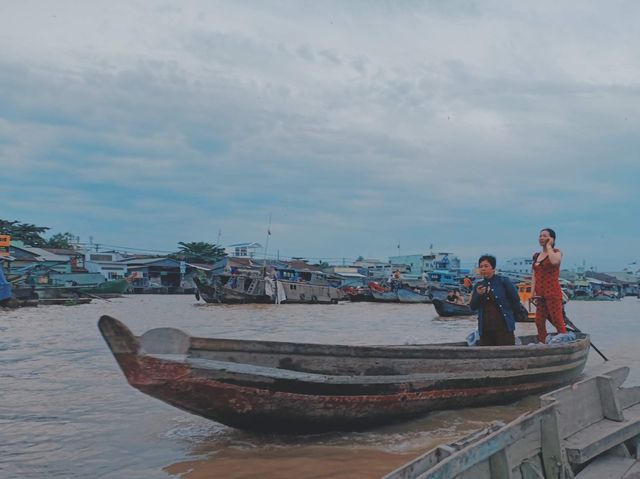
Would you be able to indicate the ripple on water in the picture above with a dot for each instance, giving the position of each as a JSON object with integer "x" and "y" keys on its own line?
{"x": 67, "y": 411}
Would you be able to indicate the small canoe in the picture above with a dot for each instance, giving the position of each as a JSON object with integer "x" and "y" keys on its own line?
{"x": 447, "y": 308}
{"x": 302, "y": 388}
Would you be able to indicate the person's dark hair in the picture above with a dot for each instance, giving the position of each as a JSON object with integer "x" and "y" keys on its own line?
{"x": 488, "y": 257}
{"x": 551, "y": 233}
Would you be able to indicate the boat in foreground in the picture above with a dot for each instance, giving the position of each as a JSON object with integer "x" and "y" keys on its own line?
{"x": 588, "y": 430}
{"x": 304, "y": 388}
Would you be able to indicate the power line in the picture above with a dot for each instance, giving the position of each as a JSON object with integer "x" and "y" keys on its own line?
{"x": 127, "y": 248}
{"x": 275, "y": 256}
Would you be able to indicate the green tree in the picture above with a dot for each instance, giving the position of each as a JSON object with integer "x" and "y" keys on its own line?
{"x": 28, "y": 233}
{"x": 199, "y": 252}
{"x": 61, "y": 240}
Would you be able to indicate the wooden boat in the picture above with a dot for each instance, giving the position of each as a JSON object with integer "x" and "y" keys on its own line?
{"x": 357, "y": 294}
{"x": 597, "y": 296}
{"x": 384, "y": 296}
{"x": 447, "y": 308}
{"x": 406, "y": 295}
{"x": 588, "y": 430}
{"x": 113, "y": 286}
{"x": 258, "y": 289}
{"x": 526, "y": 298}
{"x": 63, "y": 301}
{"x": 301, "y": 388}
{"x": 236, "y": 290}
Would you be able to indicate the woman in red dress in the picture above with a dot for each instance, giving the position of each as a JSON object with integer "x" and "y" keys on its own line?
{"x": 546, "y": 285}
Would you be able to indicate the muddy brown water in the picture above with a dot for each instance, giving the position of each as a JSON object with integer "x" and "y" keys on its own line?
{"x": 66, "y": 410}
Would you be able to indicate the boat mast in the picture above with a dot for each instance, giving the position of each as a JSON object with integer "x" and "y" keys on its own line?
{"x": 266, "y": 247}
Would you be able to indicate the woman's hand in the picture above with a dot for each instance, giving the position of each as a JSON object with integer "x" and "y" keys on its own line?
{"x": 481, "y": 289}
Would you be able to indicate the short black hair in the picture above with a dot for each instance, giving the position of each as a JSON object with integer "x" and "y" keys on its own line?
{"x": 488, "y": 257}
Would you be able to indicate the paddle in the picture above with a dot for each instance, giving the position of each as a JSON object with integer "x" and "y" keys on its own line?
{"x": 569, "y": 323}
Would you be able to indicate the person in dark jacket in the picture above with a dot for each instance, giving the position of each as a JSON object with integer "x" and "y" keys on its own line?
{"x": 496, "y": 299}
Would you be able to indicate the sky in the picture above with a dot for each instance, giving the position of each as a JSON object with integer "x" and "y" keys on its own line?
{"x": 352, "y": 128}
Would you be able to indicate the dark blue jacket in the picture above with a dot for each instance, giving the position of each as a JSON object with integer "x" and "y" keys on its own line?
{"x": 506, "y": 296}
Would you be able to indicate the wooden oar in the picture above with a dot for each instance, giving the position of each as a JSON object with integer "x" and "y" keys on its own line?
{"x": 569, "y": 323}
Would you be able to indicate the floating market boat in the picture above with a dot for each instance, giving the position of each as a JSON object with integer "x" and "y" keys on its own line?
{"x": 447, "y": 308}
{"x": 406, "y": 295}
{"x": 232, "y": 290}
{"x": 113, "y": 286}
{"x": 302, "y": 388}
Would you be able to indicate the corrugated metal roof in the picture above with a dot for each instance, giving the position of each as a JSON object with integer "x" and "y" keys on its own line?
{"x": 45, "y": 255}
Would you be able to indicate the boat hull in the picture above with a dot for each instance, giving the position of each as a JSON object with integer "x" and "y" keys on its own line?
{"x": 114, "y": 286}
{"x": 408, "y": 296}
{"x": 446, "y": 308}
{"x": 306, "y": 388}
{"x": 384, "y": 296}
{"x": 222, "y": 294}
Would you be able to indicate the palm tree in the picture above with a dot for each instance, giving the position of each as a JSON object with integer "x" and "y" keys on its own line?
{"x": 28, "y": 233}
{"x": 199, "y": 252}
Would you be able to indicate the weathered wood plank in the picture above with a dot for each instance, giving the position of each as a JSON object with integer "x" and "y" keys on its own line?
{"x": 532, "y": 469}
{"x": 499, "y": 465}
{"x": 628, "y": 396}
{"x": 633, "y": 472}
{"x": 486, "y": 448}
{"x": 606, "y": 467}
{"x": 602, "y": 436}
{"x": 432, "y": 457}
{"x": 610, "y": 405}
{"x": 574, "y": 415}
{"x": 551, "y": 447}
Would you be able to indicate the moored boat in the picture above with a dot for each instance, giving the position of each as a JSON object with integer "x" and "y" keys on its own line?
{"x": 526, "y": 298}
{"x": 301, "y": 388}
{"x": 406, "y": 295}
{"x": 232, "y": 290}
{"x": 114, "y": 286}
{"x": 447, "y": 308}
{"x": 382, "y": 293}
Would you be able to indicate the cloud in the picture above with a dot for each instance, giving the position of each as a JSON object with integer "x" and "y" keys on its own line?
{"x": 355, "y": 125}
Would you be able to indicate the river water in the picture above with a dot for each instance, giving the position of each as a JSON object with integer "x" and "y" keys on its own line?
{"x": 67, "y": 411}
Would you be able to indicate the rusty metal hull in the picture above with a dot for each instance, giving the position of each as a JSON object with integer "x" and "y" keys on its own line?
{"x": 304, "y": 388}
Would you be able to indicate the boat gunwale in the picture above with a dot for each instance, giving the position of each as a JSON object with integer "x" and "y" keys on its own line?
{"x": 413, "y": 350}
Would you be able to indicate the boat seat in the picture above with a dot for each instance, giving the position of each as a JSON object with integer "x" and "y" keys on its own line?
{"x": 610, "y": 467}
{"x": 602, "y": 436}
{"x": 596, "y": 414}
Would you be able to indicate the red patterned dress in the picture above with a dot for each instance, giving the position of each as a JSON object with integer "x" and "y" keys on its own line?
{"x": 547, "y": 288}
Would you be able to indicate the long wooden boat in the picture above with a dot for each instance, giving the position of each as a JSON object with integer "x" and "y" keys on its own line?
{"x": 113, "y": 286}
{"x": 251, "y": 289}
{"x": 590, "y": 430}
{"x": 406, "y": 295}
{"x": 238, "y": 290}
{"x": 385, "y": 296}
{"x": 301, "y": 388}
{"x": 447, "y": 308}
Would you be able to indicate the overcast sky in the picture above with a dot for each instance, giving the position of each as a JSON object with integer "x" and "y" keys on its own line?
{"x": 357, "y": 126}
